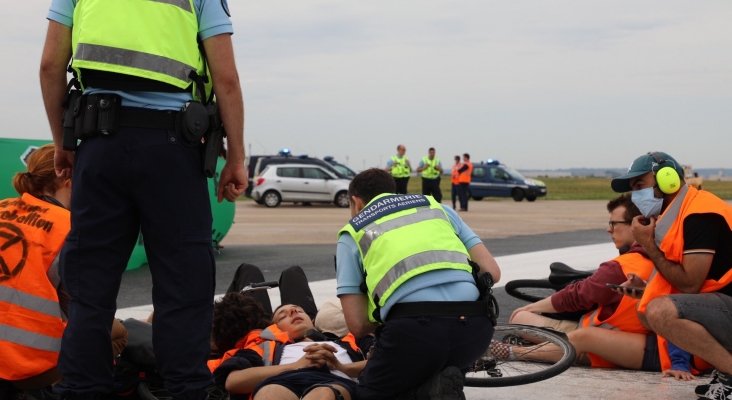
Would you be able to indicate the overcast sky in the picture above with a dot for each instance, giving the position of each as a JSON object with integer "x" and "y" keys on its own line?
{"x": 536, "y": 84}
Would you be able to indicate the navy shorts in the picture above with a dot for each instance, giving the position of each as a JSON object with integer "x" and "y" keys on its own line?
{"x": 651, "y": 360}
{"x": 299, "y": 381}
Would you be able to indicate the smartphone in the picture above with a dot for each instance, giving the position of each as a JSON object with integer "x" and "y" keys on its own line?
{"x": 632, "y": 289}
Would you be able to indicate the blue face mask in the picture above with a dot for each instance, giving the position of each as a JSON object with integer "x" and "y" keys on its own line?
{"x": 648, "y": 204}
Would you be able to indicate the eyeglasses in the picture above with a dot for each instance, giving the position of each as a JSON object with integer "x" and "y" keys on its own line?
{"x": 613, "y": 223}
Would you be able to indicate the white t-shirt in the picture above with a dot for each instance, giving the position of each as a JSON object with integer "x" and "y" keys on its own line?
{"x": 295, "y": 351}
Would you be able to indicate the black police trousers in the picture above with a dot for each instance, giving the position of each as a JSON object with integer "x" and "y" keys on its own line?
{"x": 138, "y": 180}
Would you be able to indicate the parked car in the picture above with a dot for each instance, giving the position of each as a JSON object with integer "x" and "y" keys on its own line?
{"x": 493, "y": 179}
{"x": 257, "y": 164}
{"x": 307, "y": 183}
{"x": 342, "y": 168}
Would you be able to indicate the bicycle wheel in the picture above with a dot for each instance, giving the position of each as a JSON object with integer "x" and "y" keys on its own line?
{"x": 531, "y": 290}
{"x": 491, "y": 372}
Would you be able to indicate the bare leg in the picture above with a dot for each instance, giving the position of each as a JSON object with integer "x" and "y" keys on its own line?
{"x": 621, "y": 348}
{"x": 275, "y": 392}
{"x": 533, "y": 319}
{"x": 688, "y": 335}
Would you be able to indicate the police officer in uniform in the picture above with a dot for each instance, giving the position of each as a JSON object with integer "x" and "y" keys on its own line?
{"x": 403, "y": 272}
{"x": 145, "y": 111}
{"x": 431, "y": 169}
{"x": 400, "y": 169}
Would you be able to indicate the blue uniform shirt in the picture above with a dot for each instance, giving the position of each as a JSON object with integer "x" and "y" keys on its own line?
{"x": 430, "y": 286}
{"x": 212, "y": 21}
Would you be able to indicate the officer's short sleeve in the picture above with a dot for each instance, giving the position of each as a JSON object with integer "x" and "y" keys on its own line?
{"x": 348, "y": 266}
{"x": 213, "y": 18}
{"x": 466, "y": 235}
{"x": 62, "y": 11}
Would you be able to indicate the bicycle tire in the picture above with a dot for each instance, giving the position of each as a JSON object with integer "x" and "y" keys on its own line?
{"x": 509, "y": 373}
{"x": 531, "y": 290}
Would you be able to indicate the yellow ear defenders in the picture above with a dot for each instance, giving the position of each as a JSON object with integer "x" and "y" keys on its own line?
{"x": 667, "y": 178}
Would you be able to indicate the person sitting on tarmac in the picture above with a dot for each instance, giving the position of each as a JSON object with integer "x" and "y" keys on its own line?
{"x": 32, "y": 310}
{"x": 610, "y": 333}
{"x": 291, "y": 360}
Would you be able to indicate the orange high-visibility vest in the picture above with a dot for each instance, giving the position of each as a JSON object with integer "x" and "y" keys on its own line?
{"x": 454, "y": 174}
{"x": 465, "y": 176}
{"x": 625, "y": 318}
{"x": 32, "y": 233}
{"x": 670, "y": 240}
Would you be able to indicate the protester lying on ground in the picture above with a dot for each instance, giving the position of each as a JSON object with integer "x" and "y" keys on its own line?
{"x": 688, "y": 234}
{"x": 609, "y": 334}
{"x": 32, "y": 311}
{"x": 291, "y": 360}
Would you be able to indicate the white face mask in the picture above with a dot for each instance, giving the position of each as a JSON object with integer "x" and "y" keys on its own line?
{"x": 648, "y": 204}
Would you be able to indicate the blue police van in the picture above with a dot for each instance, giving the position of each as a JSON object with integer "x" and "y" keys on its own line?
{"x": 493, "y": 179}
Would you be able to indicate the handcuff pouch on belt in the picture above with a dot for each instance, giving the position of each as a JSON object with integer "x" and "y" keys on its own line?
{"x": 89, "y": 115}
{"x": 484, "y": 283}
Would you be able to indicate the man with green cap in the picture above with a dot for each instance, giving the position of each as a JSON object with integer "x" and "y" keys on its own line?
{"x": 687, "y": 234}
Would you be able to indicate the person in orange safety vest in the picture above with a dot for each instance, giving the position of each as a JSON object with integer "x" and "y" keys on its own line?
{"x": 687, "y": 233}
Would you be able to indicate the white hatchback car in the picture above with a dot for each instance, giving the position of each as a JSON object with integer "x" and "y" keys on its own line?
{"x": 299, "y": 183}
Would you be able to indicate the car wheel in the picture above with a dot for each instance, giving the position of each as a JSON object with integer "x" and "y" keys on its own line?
{"x": 271, "y": 198}
{"x": 341, "y": 199}
{"x": 477, "y": 198}
{"x": 517, "y": 194}
{"x": 531, "y": 198}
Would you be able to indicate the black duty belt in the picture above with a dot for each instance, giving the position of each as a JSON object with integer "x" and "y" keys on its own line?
{"x": 147, "y": 118}
{"x": 438, "y": 309}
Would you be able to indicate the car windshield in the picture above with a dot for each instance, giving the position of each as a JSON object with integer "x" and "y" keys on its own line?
{"x": 514, "y": 174}
{"x": 344, "y": 170}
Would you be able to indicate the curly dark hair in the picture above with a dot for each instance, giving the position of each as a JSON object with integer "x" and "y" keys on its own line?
{"x": 631, "y": 210}
{"x": 371, "y": 183}
{"x": 234, "y": 316}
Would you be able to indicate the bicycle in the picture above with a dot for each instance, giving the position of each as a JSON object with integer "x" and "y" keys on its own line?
{"x": 488, "y": 371}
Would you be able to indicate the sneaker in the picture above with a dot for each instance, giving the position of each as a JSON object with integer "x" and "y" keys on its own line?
{"x": 447, "y": 385}
{"x": 700, "y": 390}
{"x": 721, "y": 390}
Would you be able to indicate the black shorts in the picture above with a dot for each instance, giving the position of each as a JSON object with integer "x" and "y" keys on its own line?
{"x": 299, "y": 381}
{"x": 651, "y": 360}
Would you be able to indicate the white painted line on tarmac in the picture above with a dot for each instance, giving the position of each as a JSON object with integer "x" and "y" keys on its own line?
{"x": 516, "y": 266}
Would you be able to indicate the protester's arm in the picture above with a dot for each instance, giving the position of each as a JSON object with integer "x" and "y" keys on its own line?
{"x": 54, "y": 61}
{"x": 233, "y": 179}
{"x": 326, "y": 353}
{"x": 689, "y": 275}
{"x": 542, "y": 306}
{"x": 680, "y": 363}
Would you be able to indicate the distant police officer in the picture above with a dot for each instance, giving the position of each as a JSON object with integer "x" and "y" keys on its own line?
{"x": 465, "y": 173}
{"x": 431, "y": 169}
{"x": 141, "y": 120}
{"x": 454, "y": 181}
{"x": 400, "y": 169}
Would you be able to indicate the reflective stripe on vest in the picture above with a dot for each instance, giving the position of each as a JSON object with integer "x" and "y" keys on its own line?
{"x": 163, "y": 47}
{"x": 415, "y": 261}
{"x": 374, "y": 230}
{"x": 399, "y": 167}
{"x": 29, "y": 301}
{"x": 430, "y": 168}
{"x": 29, "y": 339}
{"x": 135, "y": 59}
